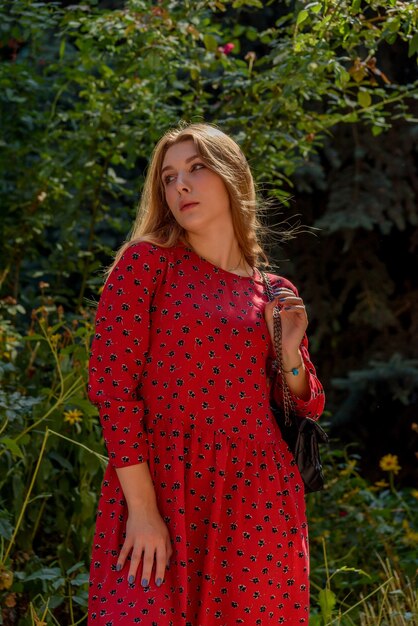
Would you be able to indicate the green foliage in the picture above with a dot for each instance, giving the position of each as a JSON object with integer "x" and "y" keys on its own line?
{"x": 90, "y": 91}
{"x": 51, "y": 463}
{"x": 398, "y": 375}
{"x": 363, "y": 539}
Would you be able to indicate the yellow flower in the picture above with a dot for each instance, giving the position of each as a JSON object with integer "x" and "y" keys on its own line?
{"x": 54, "y": 339}
{"x": 350, "y": 467}
{"x": 6, "y": 578}
{"x": 414, "y": 493}
{"x": 72, "y": 417}
{"x": 389, "y": 463}
{"x": 381, "y": 484}
{"x": 411, "y": 536}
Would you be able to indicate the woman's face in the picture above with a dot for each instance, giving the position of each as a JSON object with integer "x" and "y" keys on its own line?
{"x": 196, "y": 196}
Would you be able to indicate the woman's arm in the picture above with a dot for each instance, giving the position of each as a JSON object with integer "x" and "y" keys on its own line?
{"x": 299, "y": 384}
{"x": 147, "y": 536}
{"x": 306, "y": 389}
{"x": 118, "y": 356}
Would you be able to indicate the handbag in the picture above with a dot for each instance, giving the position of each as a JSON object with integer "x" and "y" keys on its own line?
{"x": 302, "y": 435}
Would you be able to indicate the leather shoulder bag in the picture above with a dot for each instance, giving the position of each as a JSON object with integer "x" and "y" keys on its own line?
{"x": 302, "y": 434}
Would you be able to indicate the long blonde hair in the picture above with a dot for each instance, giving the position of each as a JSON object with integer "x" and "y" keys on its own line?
{"x": 155, "y": 222}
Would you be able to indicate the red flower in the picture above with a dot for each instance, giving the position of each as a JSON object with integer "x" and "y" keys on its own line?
{"x": 227, "y": 48}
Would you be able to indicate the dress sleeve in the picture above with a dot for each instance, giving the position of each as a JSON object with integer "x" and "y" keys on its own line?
{"x": 314, "y": 406}
{"x": 119, "y": 351}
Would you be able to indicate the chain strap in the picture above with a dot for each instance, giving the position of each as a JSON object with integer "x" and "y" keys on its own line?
{"x": 287, "y": 397}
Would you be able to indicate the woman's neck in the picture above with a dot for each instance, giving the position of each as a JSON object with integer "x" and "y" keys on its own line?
{"x": 222, "y": 251}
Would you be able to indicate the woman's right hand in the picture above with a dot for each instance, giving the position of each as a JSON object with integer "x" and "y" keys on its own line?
{"x": 146, "y": 537}
{"x": 148, "y": 540}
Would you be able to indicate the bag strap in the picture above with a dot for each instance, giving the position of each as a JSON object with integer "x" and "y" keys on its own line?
{"x": 288, "y": 406}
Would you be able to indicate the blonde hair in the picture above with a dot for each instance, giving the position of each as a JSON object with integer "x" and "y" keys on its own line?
{"x": 156, "y": 224}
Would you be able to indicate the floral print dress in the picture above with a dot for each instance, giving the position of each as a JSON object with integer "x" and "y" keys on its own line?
{"x": 180, "y": 372}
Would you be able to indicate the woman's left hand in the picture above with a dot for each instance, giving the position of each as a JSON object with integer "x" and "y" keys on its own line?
{"x": 293, "y": 317}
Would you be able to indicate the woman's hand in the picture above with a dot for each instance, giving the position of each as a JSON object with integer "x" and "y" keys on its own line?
{"x": 294, "y": 323}
{"x": 147, "y": 540}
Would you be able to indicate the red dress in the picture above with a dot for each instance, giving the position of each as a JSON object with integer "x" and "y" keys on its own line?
{"x": 179, "y": 371}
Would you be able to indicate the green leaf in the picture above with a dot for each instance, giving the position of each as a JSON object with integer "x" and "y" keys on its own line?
{"x": 62, "y": 49}
{"x": 34, "y": 337}
{"x": 364, "y": 99}
{"x": 211, "y": 43}
{"x": 84, "y": 405}
{"x": 303, "y": 15}
{"x": 81, "y": 579}
{"x": 247, "y": 3}
{"x": 394, "y": 25}
{"x": 75, "y": 567}
{"x": 356, "y": 570}
{"x": 81, "y": 598}
{"x": 377, "y": 130}
{"x": 55, "y": 601}
{"x": 342, "y": 77}
{"x": 12, "y": 446}
{"x": 327, "y": 601}
{"x": 351, "y": 117}
{"x": 315, "y": 7}
{"x": 61, "y": 460}
{"x": 46, "y": 573}
{"x": 6, "y": 529}
{"x": 413, "y": 45}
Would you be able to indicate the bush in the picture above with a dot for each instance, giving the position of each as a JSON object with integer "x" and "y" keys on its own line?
{"x": 51, "y": 465}
{"x": 363, "y": 545}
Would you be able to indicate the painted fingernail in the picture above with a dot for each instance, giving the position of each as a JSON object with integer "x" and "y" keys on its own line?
{"x": 282, "y": 299}
{"x": 131, "y": 579}
{"x": 158, "y": 582}
{"x": 144, "y": 582}
{"x": 118, "y": 567}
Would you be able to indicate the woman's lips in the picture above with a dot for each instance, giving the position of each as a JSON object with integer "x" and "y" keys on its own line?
{"x": 187, "y": 205}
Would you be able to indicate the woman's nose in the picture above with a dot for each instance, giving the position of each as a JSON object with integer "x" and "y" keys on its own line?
{"x": 182, "y": 183}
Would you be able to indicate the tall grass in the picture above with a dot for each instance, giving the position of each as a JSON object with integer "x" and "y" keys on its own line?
{"x": 396, "y": 604}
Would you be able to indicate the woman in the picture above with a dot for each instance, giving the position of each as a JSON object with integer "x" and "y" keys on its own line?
{"x": 201, "y": 518}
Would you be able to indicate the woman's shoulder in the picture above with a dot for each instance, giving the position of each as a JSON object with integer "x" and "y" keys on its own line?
{"x": 278, "y": 281}
{"x": 146, "y": 253}
{"x": 143, "y": 248}
{"x": 139, "y": 259}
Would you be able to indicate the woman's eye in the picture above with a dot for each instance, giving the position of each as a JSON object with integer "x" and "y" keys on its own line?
{"x": 168, "y": 180}
{"x": 197, "y": 166}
